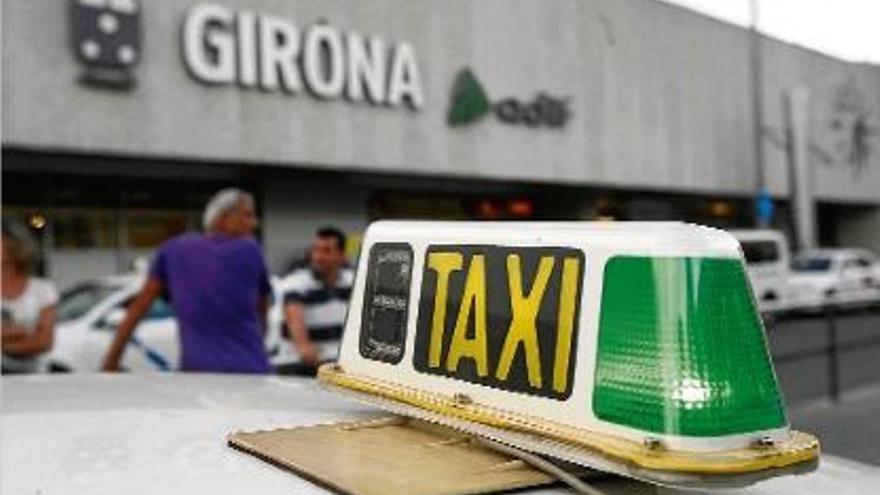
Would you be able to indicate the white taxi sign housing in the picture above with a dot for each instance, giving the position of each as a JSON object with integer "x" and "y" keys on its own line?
{"x": 628, "y": 347}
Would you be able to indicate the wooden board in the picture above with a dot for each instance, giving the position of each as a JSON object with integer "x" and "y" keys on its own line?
{"x": 390, "y": 455}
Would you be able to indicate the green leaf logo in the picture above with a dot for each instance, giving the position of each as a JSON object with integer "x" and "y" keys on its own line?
{"x": 469, "y": 101}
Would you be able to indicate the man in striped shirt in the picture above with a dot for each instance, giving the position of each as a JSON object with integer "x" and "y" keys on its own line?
{"x": 316, "y": 300}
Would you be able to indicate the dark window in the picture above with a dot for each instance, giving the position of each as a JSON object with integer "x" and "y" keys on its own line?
{"x": 386, "y": 302}
{"x": 158, "y": 309}
{"x": 80, "y": 299}
{"x": 760, "y": 251}
{"x": 811, "y": 264}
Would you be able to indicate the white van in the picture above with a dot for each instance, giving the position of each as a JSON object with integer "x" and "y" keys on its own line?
{"x": 768, "y": 265}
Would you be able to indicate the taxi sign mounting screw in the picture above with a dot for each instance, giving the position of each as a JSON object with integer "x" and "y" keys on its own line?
{"x": 653, "y": 443}
{"x": 765, "y": 441}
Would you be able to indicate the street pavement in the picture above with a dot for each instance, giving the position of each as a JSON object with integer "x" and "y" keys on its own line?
{"x": 850, "y": 426}
{"x": 799, "y": 345}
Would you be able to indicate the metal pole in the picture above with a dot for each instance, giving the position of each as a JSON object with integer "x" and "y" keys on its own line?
{"x": 833, "y": 354}
{"x": 757, "y": 73}
{"x": 797, "y": 103}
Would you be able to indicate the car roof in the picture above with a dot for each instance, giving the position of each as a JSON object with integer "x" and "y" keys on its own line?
{"x": 136, "y": 434}
{"x": 835, "y": 253}
{"x": 119, "y": 280}
{"x": 757, "y": 234}
{"x": 124, "y": 278}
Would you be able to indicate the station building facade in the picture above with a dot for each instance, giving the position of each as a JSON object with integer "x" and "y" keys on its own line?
{"x": 121, "y": 117}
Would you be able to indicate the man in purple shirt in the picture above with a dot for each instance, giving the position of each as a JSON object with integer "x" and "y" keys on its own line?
{"x": 218, "y": 285}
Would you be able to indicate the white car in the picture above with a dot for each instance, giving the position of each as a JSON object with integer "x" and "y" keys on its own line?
{"x": 166, "y": 433}
{"x": 88, "y": 314}
{"x": 767, "y": 263}
{"x": 840, "y": 277}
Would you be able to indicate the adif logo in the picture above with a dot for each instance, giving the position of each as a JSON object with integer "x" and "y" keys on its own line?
{"x": 470, "y": 103}
{"x": 106, "y": 38}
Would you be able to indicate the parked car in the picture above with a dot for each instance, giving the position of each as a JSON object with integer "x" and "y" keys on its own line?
{"x": 841, "y": 277}
{"x": 282, "y": 351}
{"x": 767, "y": 263}
{"x": 98, "y": 434}
{"x": 88, "y": 314}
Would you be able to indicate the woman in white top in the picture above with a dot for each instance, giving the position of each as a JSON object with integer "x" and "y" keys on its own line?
{"x": 28, "y": 304}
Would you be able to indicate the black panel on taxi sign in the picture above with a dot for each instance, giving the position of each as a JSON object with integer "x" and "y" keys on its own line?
{"x": 386, "y": 302}
{"x": 504, "y": 317}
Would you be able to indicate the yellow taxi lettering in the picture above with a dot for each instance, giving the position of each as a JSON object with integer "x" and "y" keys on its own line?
{"x": 565, "y": 322}
{"x": 522, "y": 323}
{"x": 502, "y": 316}
{"x": 444, "y": 264}
{"x": 474, "y": 298}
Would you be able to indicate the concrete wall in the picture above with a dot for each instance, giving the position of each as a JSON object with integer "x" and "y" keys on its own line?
{"x": 832, "y": 85}
{"x": 659, "y": 96}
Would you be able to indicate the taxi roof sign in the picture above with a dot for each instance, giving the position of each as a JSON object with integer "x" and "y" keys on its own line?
{"x": 638, "y": 345}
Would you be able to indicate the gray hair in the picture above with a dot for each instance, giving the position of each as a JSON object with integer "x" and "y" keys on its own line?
{"x": 24, "y": 249}
{"x": 221, "y": 202}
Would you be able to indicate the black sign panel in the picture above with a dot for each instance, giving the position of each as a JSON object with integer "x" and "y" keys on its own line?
{"x": 386, "y": 302}
{"x": 504, "y": 317}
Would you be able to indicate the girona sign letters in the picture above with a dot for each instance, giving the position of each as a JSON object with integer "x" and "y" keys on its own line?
{"x": 253, "y": 51}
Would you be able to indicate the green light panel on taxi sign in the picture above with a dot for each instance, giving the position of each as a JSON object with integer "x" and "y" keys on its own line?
{"x": 682, "y": 350}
